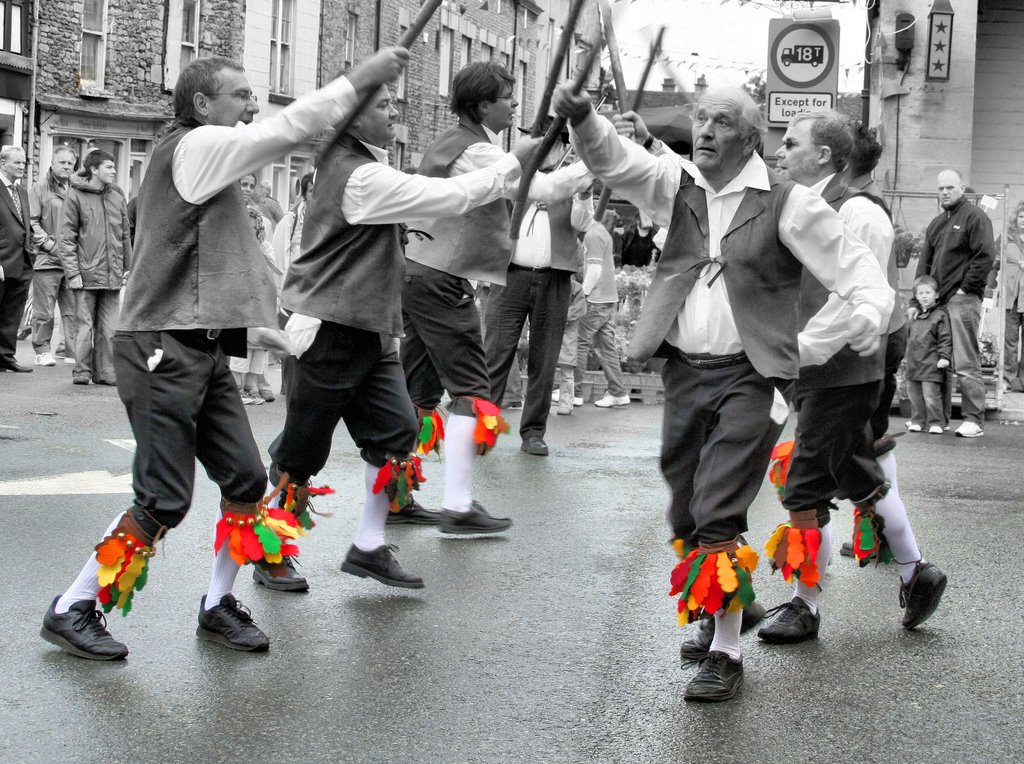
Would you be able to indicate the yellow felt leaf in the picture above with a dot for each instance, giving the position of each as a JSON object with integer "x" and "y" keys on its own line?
{"x": 734, "y": 605}
{"x": 107, "y": 574}
{"x": 747, "y": 558}
{"x": 677, "y": 545}
{"x": 273, "y": 559}
{"x": 776, "y": 537}
{"x": 122, "y": 598}
{"x": 726, "y": 575}
{"x": 490, "y": 422}
{"x": 283, "y": 529}
{"x": 683, "y": 617}
{"x": 131, "y": 572}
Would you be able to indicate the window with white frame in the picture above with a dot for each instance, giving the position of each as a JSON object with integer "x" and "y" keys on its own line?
{"x": 282, "y": 16}
{"x": 94, "y": 42}
{"x": 522, "y": 87}
{"x": 486, "y": 52}
{"x": 465, "y": 51}
{"x": 189, "y": 32}
{"x": 14, "y": 26}
{"x": 504, "y": 60}
{"x": 351, "y": 28}
{"x": 445, "y": 53}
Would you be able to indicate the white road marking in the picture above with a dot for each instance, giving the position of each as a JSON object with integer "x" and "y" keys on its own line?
{"x": 128, "y": 444}
{"x": 74, "y": 483}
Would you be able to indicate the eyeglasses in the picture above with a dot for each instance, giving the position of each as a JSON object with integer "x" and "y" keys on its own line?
{"x": 508, "y": 97}
{"x": 243, "y": 96}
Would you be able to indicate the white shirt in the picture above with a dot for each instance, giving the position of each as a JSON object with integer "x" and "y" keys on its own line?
{"x": 209, "y": 158}
{"x": 533, "y": 250}
{"x": 808, "y": 228}
{"x": 823, "y": 336}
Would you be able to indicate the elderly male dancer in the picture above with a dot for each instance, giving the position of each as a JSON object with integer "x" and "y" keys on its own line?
{"x": 195, "y": 245}
{"x": 344, "y": 294}
{"x": 722, "y": 308}
{"x": 835, "y": 397}
{"x": 443, "y": 347}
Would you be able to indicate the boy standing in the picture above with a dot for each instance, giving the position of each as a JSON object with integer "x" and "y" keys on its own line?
{"x": 928, "y": 352}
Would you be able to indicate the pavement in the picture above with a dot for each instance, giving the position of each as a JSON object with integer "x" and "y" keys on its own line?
{"x": 555, "y": 642}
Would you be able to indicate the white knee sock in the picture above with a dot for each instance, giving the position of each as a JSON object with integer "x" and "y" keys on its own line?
{"x": 809, "y": 594}
{"x": 87, "y": 585}
{"x": 727, "y": 634}
{"x": 370, "y": 533}
{"x": 898, "y": 532}
{"x": 459, "y": 456}
{"x": 222, "y": 578}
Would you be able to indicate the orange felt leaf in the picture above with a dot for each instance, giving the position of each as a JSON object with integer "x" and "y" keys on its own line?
{"x": 110, "y": 551}
{"x": 747, "y": 558}
{"x": 795, "y": 555}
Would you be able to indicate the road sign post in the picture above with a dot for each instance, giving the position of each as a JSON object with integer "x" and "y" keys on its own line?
{"x": 803, "y": 67}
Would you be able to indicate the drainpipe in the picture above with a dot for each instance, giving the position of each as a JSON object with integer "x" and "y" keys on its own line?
{"x": 515, "y": 62}
{"x": 31, "y": 153}
{"x": 377, "y": 11}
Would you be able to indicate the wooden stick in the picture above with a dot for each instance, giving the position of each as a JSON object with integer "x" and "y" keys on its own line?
{"x": 606, "y": 192}
{"x": 412, "y": 34}
{"x": 542, "y": 150}
{"x": 556, "y": 67}
{"x": 613, "y": 53}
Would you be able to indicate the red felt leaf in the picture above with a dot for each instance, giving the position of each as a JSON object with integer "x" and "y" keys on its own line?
{"x": 223, "y": 529}
{"x": 384, "y": 476}
{"x": 715, "y": 596}
{"x": 251, "y": 544}
{"x": 285, "y": 517}
{"x": 485, "y": 408}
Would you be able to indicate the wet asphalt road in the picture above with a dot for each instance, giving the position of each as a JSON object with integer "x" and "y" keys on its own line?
{"x": 553, "y": 643}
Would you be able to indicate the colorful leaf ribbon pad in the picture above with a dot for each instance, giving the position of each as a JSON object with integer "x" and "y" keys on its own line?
{"x": 794, "y": 551}
{"x": 707, "y": 582}
{"x": 398, "y": 478}
{"x": 778, "y": 470}
{"x": 124, "y": 565}
{"x": 265, "y": 537}
{"x": 869, "y": 536}
{"x": 489, "y": 424}
{"x": 431, "y": 434}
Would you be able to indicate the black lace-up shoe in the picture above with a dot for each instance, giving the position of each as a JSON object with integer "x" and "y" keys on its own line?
{"x": 280, "y": 578}
{"x": 82, "y": 631}
{"x": 718, "y": 679}
{"x": 415, "y": 514}
{"x": 380, "y": 565}
{"x": 696, "y": 648}
{"x": 477, "y": 520}
{"x": 795, "y": 623}
{"x": 231, "y": 625}
{"x": 921, "y": 596}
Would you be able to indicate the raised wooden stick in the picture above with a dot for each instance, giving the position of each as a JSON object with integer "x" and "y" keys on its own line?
{"x": 606, "y": 192}
{"x": 412, "y": 34}
{"x": 546, "y": 144}
{"x": 556, "y": 67}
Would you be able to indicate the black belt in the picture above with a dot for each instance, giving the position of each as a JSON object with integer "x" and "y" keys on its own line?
{"x": 706, "y": 361}
{"x": 528, "y": 268}
{"x": 200, "y": 339}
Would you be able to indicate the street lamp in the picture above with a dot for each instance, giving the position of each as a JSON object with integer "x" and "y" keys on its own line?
{"x": 940, "y": 39}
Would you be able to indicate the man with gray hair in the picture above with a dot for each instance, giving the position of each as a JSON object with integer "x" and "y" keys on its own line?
{"x": 722, "y": 309}
{"x": 16, "y": 255}
{"x": 263, "y": 198}
{"x": 835, "y": 398}
{"x": 46, "y": 198}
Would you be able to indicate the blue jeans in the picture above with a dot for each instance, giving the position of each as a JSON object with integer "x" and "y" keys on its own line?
{"x": 964, "y": 319}
{"x": 926, "y": 403}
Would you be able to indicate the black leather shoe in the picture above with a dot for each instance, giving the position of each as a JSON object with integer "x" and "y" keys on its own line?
{"x": 696, "y": 648}
{"x": 921, "y": 596}
{"x": 16, "y": 367}
{"x": 280, "y": 578}
{"x": 535, "y": 446}
{"x": 231, "y": 625}
{"x": 477, "y": 520}
{"x": 380, "y": 565}
{"x": 82, "y": 631}
{"x": 414, "y": 513}
{"x": 718, "y": 679}
{"x": 795, "y": 623}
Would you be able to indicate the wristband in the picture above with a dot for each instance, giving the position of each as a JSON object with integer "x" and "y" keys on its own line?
{"x": 648, "y": 142}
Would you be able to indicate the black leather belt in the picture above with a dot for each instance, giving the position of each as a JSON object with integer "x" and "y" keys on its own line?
{"x": 200, "y": 339}
{"x": 518, "y": 267}
{"x": 706, "y": 361}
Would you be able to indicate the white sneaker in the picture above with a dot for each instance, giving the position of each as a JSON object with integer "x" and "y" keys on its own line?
{"x": 577, "y": 401}
{"x": 45, "y": 359}
{"x": 610, "y": 400}
{"x": 69, "y": 361}
{"x": 911, "y": 427}
{"x": 935, "y": 430}
{"x": 554, "y": 396}
{"x": 969, "y": 430}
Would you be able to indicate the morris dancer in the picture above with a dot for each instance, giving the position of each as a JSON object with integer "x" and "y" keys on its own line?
{"x": 443, "y": 347}
{"x": 344, "y": 294}
{"x": 834, "y": 452}
{"x": 195, "y": 245}
{"x": 739, "y": 240}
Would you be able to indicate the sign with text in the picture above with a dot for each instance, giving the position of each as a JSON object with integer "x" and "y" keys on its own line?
{"x": 803, "y": 70}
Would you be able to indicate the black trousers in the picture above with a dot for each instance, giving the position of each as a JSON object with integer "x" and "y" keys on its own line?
{"x": 543, "y": 297}
{"x": 717, "y": 438}
{"x": 352, "y": 375}
{"x": 834, "y": 452}
{"x": 443, "y": 347}
{"x": 13, "y": 296}
{"x": 185, "y": 408}
{"x": 895, "y": 349}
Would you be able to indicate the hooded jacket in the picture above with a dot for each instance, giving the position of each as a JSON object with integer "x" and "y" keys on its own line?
{"x": 95, "y": 238}
{"x": 46, "y": 200}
